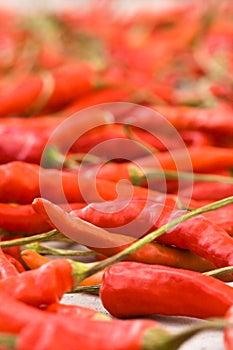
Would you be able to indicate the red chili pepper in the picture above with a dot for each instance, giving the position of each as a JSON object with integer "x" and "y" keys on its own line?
{"x": 56, "y": 185}
{"x": 7, "y": 269}
{"x": 28, "y": 92}
{"x": 212, "y": 191}
{"x": 15, "y": 315}
{"x": 75, "y": 311}
{"x": 203, "y": 160}
{"x": 222, "y": 217}
{"x": 44, "y": 285}
{"x": 90, "y": 334}
{"x": 217, "y": 120}
{"x": 198, "y": 234}
{"x": 33, "y": 260}
{"x": 23, "y": 218}
{"x": 16, "y": 263}
{"x": 108, "y": 243}
{"x": 13, "y": 251}
{"x": 131, "y": 289}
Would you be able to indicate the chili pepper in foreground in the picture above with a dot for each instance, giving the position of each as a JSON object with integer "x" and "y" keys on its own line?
{"x": 131, "y": 289}
{"x": 108, "y": 243}
{"x": 90, "y": 334}
{"x": 44, "y": 285}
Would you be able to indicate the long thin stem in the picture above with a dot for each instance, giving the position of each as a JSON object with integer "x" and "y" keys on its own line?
{"x": 153, "y": 235}
{"x": 51, "y": 235}
{"x": 173, "y": 342}
{"x": 87, "y": 289}
{"x": 138, "y": 177}
{"x": 42, "y": 249}
{"x": 219, "y": 272}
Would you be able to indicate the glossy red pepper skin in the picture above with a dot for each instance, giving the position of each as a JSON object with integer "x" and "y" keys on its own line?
{"x": 88, "y": 335}
{"x": 201, "y": 237}
{"x": 131, "y": 289}
{"x": 15, "y": 314}
{"x": 44, "y": 285}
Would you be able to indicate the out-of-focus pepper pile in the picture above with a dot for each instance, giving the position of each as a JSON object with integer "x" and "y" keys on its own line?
{"x": 171, "y": 69}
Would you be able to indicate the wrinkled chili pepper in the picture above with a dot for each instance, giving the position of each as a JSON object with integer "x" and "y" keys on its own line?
{"x": 131, "y": 289}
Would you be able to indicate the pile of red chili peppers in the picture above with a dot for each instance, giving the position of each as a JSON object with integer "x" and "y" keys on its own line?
{"x": 160, "y": 197}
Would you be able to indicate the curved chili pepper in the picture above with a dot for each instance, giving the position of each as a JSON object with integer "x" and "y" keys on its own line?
{"x": 78, "y": 77}
{"x": 109, "y": 244}
{"x": 222, "y": 217}
{"x": 44, "y": 285}
{"x": 131, "y": 289}
{"x": 198, "y": 235}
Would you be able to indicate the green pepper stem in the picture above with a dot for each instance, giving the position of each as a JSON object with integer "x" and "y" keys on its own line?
{"x": 173, "y": 342}
{"x": 51, "y": 235}
{"x": 219, "y": 272}
{"x": 42, "y": 249}
{"x": 87, "y": 289}
{"x": 153, "y": 235}
{"x": 138, "y": 177}
{"x": 8, "y": 340}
